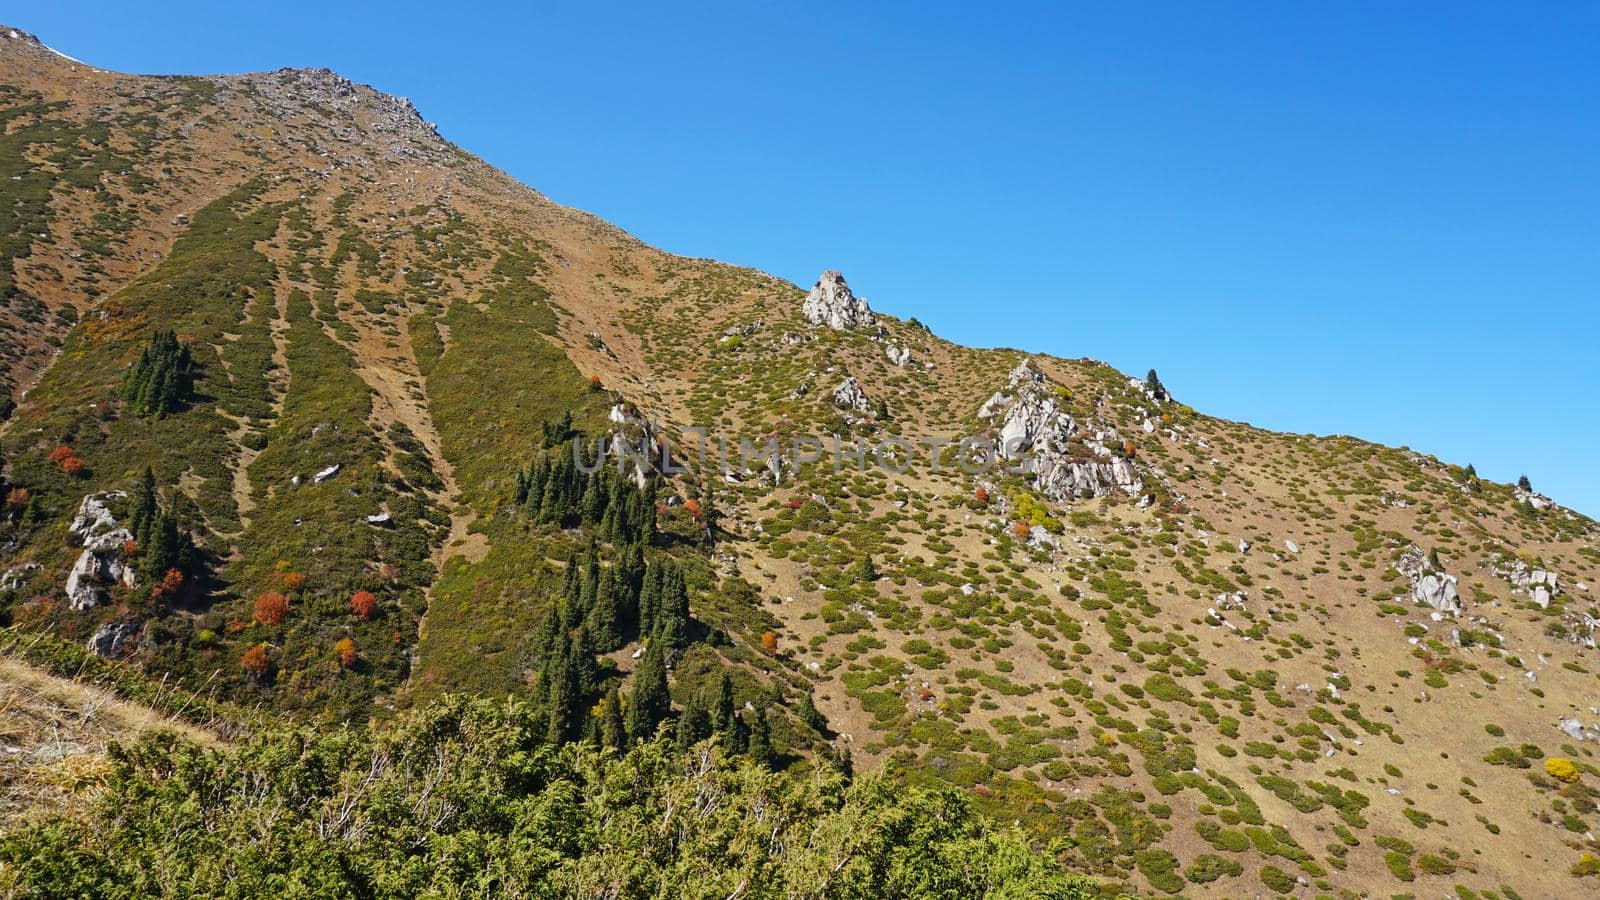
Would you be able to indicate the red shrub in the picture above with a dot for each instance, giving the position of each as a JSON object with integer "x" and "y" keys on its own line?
{"x": 170, "y": 584}
{"x": 271, "y": 608}
{"x": 364, "y": 605}
{"x": 18, "y": 497}
{"x": 61, "y": 454}
{"x": 73, "y": 467}
{"x": 255, "y": 660}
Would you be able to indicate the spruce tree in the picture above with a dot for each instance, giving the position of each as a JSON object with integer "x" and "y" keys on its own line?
{"x": 760, "y": 742}
{"x": 722, "y": 708}
{"x": 613, "y": 730}
{"x": 694, "y": 723}
{"x": 142, "y": 508}
{"x": 811, "y": 716}
{"x": 671, "y": 626}
{"x": 649, "y": 702}
{"x": 1525, "y": 484}
{"x": 561, "y": 694}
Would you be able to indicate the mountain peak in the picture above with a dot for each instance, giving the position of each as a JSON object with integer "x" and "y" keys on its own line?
{"x": 831, "y": 302}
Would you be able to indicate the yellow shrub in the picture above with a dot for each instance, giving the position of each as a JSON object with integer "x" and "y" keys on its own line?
{"x": 1561, "y": 769}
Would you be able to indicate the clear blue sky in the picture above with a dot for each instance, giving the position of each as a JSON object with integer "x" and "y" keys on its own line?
{"x": 1368, "y": 218}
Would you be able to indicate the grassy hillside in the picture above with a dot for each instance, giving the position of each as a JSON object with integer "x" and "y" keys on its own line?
{"x": 1225, "y": 661}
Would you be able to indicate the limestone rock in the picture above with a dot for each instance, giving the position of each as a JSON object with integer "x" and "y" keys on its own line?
{"x": 113, "y": 639}
{"x": 831, "y": 303}
{"x": 1428, "y": 584}
{"x": 897, "y": 354}
{"x": 101, "y": 563}
{"x": 849, "y": 395}
{"x": 1034, "y": 430}
{"x": 17, "y": 577}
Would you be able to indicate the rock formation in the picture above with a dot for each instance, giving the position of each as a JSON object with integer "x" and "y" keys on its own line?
{"x": 1034, "y": 430}
{"x": 111, "y": 640}
{"x": 101, "y": 563}
{"x": 849, "y": 395}
{"x": 1429, "y": 585}
{"x": 832, "y": 304}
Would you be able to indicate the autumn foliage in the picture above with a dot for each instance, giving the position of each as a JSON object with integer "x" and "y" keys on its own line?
{"x": 364, "y": 605}
{"x": 1021, "y": 529}
{"x": 61, "y": 454}
{"x": 255, "y": 660}
{"x": 18, "y": 497}
{"x": 346, "y": 651}
{"x": 170, "y": 584}
{"x": 72, "y": 467}
{"x": 271, "y": 608}
{"x": 693, "y": 506}
{"x": 981, "y": 495}
{"x": 769, "y": 641}
{"x": 293, "y": 581}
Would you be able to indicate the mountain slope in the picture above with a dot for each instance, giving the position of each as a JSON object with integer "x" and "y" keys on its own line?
{"x": 1201, "y": 655}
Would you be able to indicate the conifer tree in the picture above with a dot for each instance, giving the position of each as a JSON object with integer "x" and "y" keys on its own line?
{"x": 811, "y": 716}
{"x": 649, "y": 702}
{"x": 694, "y": 723}
{"x": 760, "y": 742}
{"x": 1525, "y": 484}
{"x": 613, "y": 730}
{"x": 142, "y": 508}
{"x": 161, "y": 380}
{"x": 722, "y": 708}
{"x": 671, "y": 625}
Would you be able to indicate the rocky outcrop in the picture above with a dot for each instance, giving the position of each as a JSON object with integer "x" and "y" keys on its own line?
{"x": 1429, "y": 584}
{"x": 113, "y": 640}
{"x": 1542, "y": 585}
{"x": 1034, "y": 430}
{"x": 831, "y": 303}
{"x": 849, "y": 395}
{"x": 17, "y": 577}
{"x": 102, "y": 563}
{"x": 897, "y": 354}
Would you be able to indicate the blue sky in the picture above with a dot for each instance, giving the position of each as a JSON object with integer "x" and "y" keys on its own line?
{"x": 1330, "y": 218}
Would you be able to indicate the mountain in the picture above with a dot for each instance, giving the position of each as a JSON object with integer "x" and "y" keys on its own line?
{"x": 296, "y": 382}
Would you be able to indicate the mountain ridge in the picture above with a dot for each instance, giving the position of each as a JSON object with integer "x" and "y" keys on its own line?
{"x": 386, "y": 333}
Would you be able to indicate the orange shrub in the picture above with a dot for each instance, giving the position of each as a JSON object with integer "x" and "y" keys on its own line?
{"x": 693, "y": 506}
{"x": 169, "y": 585}
{"x": 72, "y": 467}
{"x": 1021, "y": 529}
{"x": 129, "y": 548}
{"x": 271, "y": 608}
{"x": 594, "y": 382}
{"x": 255, "y": 660}
{"x": 981, "y": 494}
{"x": 61, "y": 454}
{"x": 346, "y": 650}
{"x": 363, "y": 604}
{"x": 769, "y": 640}
{"x": 294, "y": 581}
{"x": 18, "y": 497}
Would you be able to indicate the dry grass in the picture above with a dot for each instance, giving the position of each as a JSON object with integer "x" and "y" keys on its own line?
{"x": 54, "y": 733}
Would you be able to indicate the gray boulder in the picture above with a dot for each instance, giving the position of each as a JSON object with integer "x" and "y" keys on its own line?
{"x": 101, "y": 564}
